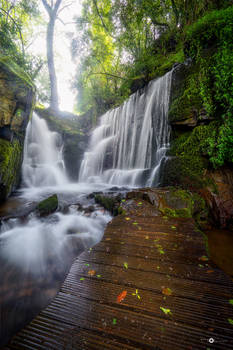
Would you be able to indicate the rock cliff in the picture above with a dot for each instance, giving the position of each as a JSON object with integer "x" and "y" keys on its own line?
{"x": 17, "y": 94}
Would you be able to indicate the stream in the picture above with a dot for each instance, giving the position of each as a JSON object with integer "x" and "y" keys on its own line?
{"x": 125, "y": 151}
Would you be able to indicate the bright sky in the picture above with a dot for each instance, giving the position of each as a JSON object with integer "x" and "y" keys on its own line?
{"x": 65, "y": 67}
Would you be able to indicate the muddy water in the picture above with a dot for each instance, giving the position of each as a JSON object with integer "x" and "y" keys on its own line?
{"x": 221, "y": 249}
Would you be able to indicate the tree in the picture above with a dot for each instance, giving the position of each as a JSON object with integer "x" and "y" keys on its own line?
{"x": 52, "y": 10}
{"x": 14, "y": 19}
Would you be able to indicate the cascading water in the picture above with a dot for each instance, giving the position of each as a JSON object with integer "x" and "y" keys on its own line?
{"x": 37, "y": 252}
{"x": 43, "y": 164}
{"x": 131, "y": 141}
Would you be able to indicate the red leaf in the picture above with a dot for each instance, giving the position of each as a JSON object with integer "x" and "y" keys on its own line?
{"x": 121, "y": 296}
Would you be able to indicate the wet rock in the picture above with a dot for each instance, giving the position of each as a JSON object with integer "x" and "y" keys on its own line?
{"x": 171, "y": 202}
{"x": 17, "y": 94}
{"x": 220, "y": 197}
{"x": 110, "y": 201}
{"x": 48, "y": 206}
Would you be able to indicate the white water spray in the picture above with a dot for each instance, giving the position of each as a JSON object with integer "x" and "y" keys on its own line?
{"x": 43, "y": 163}
{"x": 131, "y": 141}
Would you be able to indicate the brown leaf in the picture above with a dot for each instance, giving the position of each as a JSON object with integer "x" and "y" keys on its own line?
{"x": 121, "y": 296}
{"x": 91, "y": 272}
{"x": 167, "y": 291}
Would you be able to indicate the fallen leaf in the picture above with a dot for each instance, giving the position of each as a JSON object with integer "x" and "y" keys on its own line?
{"x": 123, "y": 200}
{"x": 98, "y": 276}
{"x": 87, "y": 264}
{"x": 136, "y": 294}
{"x": 209, "y": 271}
{"x": 82, "y": 279}
{"x": 125, "y": 265}
{"x": 158, "y": 267}
{"x": 147, "y": 237}
{"x": 173, "y": 227}
{"x": 230, "y": 321}
{"x": 200, "y": 265}
{"x": 139, "y": 203}
{"x": 121, "y": 296}
{"x": 135, "y": 223}
{"x": 231, "y": 301}
{"x": 114, "y": 321}
{"x": 161, "y": 251}
{"x": 166, "y": 311}
{"x": 91, "y": 272}
{"x": 167, "y": 291}
{"x": 203, "y": 258}
{"x": 127, "y": 219}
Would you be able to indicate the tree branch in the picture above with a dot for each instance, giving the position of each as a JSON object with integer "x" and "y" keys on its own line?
{"x": 65, "y": 7}
{"x": 20, "y": 33}
{"x": 101, "y": 18}
{"x": 109, "y": 74}
{"x": 57, "y": 4}
{"x": 65, "y": 23}
{"x": 175, "y": 10}
{"x": 47, "y": 6}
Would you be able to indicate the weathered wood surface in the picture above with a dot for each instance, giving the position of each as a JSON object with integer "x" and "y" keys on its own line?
{"x": 143, "y": 255}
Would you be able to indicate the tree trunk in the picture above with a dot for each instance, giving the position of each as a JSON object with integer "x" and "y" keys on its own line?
{"x": 52, "y": 10}
{"x": 51, "y": 67}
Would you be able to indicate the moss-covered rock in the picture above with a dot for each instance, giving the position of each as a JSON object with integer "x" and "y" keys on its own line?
{"x": 110, "y": 202}
{"x": 193, "y": 130}
{"x": 48, "y": 206}
{"x": 184, "y": 204}
{"x": 17, "y": 95}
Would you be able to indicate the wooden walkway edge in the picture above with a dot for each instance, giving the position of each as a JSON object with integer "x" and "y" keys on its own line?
{"x": 147, "y": 285}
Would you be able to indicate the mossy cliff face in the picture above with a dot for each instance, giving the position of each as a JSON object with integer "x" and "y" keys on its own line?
{"x": 201, "y": 117}
{"x": 74, "y": 131}
{"x": 17, "y": 95}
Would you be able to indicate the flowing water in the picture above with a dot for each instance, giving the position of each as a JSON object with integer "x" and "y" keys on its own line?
{"x": 126, "y": 149}
{"x": 37, "y": 252}
{"x": 131, "y": 141}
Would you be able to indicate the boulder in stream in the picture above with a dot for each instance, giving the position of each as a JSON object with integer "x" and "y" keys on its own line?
{"x": 48, "y": 205}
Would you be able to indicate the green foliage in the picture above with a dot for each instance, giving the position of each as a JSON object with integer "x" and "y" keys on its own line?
{"x": 14, "y": 32}
{"x": 215, "y": 33}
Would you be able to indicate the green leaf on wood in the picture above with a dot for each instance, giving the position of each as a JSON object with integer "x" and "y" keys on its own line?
{"x": 166, "y": 311}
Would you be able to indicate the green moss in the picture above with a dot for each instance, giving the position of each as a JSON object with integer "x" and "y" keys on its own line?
{"x": 196, "y": 142}
{"x": 177, "y": 213}
{"x": 185, "y": 204}
{"x": 48, "y": 205}
{"x": 189, "y": 103}
{"x": 60, "y": 124}
{"x": 10, "y": 161}
{"x": 121, "y": 211}
{"x": 213, "y": 33}
{"x": 109, "y": 203}
{"x": 8, "y": 64}
{"x": 165, "y": 62}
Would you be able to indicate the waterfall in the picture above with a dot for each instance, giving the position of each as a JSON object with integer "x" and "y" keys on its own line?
{"x": 43, "y": 163}
{"x": 131, "y": 141}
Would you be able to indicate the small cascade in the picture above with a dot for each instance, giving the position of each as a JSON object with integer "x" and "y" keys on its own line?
{"x": 131, "y": 141}
{"x": 43, "y": 163}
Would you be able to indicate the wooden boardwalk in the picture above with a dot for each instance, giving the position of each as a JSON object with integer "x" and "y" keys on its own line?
{"x": 147, "y": 285}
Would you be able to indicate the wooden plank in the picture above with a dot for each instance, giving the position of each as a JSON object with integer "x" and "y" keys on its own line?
{"x": 87, "y": 315}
